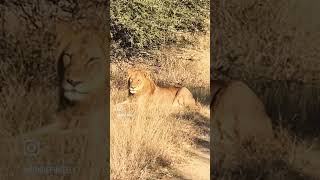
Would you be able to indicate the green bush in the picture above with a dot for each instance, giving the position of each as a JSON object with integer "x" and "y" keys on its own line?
{"x": 146, "y": 24}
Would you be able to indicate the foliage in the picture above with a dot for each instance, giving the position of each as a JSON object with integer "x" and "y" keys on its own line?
{"x": 146, "y": 24}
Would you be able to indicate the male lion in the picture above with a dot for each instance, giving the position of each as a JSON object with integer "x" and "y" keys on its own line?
{"x": 142, "y": 90}
{"x": 237, "y": 115}
{"x": 82, "y": 70}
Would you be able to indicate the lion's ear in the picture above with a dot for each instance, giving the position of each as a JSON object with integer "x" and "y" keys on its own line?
{"x": 146, "y": 74}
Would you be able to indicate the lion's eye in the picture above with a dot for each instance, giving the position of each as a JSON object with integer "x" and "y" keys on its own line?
{"x": 66, "y": 58}
{"x": 92, "y": 61}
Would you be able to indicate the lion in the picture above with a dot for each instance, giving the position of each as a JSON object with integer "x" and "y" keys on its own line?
{"x": 237, "y": 115}
{"x": 143, "y": 91}
{"x": 82, "y": 91}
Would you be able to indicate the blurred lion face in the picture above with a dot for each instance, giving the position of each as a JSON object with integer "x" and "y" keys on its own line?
{"x": 83, "y": 61}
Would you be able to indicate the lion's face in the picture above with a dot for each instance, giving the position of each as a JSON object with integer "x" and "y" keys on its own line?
{"x": 83, "y": 62}
{"x": 136, "y": 81}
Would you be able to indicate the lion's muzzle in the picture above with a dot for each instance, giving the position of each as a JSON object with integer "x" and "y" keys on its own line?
{"x": 133, "y": 90}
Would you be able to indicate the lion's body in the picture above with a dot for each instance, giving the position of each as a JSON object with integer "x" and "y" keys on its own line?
{"x": 144, "y": 91}
{"x": 81, "y": 68}
{"x": 237, "y": 115}
{"x": 82, "y": 63}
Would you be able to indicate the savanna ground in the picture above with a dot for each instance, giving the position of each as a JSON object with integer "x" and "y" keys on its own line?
{"x": 142, "y": 148}
{"x": 159, "y": 143}
{"x": 170, "y": 39}
{"x": 275, "y": 54}
{"x": 273, "y": 46}
{"x": 28, "y": 89}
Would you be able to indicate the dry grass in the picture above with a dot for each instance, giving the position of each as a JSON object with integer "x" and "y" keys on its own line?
{"x": 23, "y": 110}
{"x": 264, "y": 44}
{"x": 28, "y": 96}
{"x": 28, "y": 100}
{"x": 146, "y": 145}
{"x": 263, "y": 40}
{"x": 35, "y": 107}
{"x": 285, "y": 157}
{"x": 141, "y": 144}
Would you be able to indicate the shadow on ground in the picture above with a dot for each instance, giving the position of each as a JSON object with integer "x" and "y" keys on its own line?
{"x": 201, "y": 94}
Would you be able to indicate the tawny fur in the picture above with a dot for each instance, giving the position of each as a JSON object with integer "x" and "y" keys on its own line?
{"x": 82, "y": 70}
{"x": 143, "y": 91}
{"x": 237, "y": 115}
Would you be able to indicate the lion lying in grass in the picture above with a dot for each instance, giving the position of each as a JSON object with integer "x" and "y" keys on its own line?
{"x": 143, "y": 91}
{"x": 237, "y": 115}
{"x": 81, "y": 68}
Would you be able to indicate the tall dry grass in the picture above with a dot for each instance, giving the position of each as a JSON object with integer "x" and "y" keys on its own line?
{"x": 28, "y": 95}
{"x": 263, "y": 40}
{"x": 149, "y": 144}
{"x": 266, "y": 44}
{"x": 141, "y": 144}
{"x": 55, "y": 156}
{"x": 284, "y": 157}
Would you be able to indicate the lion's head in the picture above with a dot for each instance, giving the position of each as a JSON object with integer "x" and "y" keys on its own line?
{"x": 139, "y": 81}
{"x": 81, "y": 62}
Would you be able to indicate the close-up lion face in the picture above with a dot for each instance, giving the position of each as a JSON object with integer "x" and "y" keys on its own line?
{"x": 82, "y": 60}
{"x": 136, "y": 81}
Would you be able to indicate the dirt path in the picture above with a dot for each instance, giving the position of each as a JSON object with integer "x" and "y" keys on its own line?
{"x": 196, "y": 163}
{"x": 197, "y": 166}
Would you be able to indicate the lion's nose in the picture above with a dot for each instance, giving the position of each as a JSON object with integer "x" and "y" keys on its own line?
{"x": 73, "y": 83}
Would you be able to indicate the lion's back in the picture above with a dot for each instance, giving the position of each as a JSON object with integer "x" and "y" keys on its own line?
{"x": 165, "y": 95}
{"x": 237, "y": 115}
{"x": 145, "y": 91}
{"x": 240, "y": 107}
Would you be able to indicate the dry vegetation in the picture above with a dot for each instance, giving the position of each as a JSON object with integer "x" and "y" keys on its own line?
{"x": 166, "y": 38}
{"x": 264, "y": 44}
{"x": 284, "y": 157}
{"x": 28, "y": 89}
{"x": 149, "y": 145}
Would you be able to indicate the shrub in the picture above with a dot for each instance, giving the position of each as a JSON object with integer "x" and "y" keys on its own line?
{"x": 146, "y": 24}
